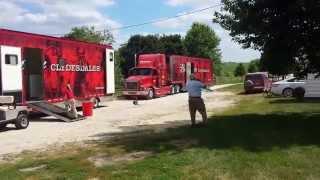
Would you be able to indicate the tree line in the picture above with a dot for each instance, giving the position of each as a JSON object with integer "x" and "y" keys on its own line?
{"x": 200, "y": 41}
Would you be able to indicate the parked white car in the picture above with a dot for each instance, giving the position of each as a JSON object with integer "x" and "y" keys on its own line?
{"x": 286, "y": 87}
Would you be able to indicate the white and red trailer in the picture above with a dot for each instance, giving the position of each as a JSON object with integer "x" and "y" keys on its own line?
{"x": 38, "y": 67}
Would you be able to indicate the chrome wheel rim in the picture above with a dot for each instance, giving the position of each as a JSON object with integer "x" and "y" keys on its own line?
{"x": 24, "y": 121}
{"x": 288, "y": 93}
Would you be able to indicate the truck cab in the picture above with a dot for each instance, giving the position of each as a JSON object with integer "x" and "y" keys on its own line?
{"x": 149, "y": 78}
{"x": 142, "y": 82}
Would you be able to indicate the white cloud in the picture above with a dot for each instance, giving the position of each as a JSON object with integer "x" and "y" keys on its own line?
{"x": 231, "y": 51}
{"x": 191, "y": 2}
{"x": 54, "y": 17}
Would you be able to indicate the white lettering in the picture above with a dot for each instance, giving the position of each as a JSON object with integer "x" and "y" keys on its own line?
{"x": 77, "y": 68}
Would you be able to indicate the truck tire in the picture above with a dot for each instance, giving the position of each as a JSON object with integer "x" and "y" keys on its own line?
{"x": 150, "y": 94}
{"x": 22, "y": 121}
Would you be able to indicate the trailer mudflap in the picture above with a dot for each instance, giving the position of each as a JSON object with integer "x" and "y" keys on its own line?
{"x": 54, "y": 110}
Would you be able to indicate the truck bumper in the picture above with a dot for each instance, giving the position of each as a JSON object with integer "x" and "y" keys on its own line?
{"x": 135, "y": 93}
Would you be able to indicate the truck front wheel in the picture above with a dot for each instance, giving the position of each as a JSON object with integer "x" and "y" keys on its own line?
{"x": 150, "y": 94}
{"x": 22, "y": 121}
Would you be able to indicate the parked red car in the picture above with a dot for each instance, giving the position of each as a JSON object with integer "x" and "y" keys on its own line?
{"x": 256, "y": 82}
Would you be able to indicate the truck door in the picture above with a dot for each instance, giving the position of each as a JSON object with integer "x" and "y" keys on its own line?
{"x": 11, "y": 72}
{"x": 110, "y": 71}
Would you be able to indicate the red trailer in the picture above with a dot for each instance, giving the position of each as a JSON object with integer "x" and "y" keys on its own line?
{"x": 158, "y": 75}
{"x": 37, "y": 67}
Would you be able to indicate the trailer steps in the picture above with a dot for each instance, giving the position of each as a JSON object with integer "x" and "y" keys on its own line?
{"x": 54, "y": 110}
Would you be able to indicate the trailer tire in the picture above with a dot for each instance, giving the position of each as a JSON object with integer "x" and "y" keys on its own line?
{"x": 22, "y": 121}
{"x": 150, "y": 94}
{"x": 177, "y": 89}
{"x": 96, "y": 102}
{"x": 173, "y": 90}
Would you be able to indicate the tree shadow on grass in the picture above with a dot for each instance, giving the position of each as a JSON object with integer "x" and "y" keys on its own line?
{"x": 251, "y": 132}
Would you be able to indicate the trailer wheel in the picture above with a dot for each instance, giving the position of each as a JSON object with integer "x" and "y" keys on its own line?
{"x": 22, "y": 121}
{"x": 173, "y": 90}
{"x": 177, "y": 89}
{"x": 150, "y": 94}
{"x": 96, "y": 103}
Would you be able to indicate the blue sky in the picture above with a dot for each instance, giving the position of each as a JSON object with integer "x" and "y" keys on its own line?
{"x": 59, "y": 16}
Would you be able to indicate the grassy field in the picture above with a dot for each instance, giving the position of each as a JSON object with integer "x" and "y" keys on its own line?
{"x": 258, "y": 138}
{"x": 227, "y": 73}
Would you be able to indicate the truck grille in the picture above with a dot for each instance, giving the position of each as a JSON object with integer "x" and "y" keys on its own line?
{"x": 132, "y": 86}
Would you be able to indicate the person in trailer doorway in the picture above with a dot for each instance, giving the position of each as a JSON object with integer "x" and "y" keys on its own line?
{"x": 194, "y": 88}
{"x": 70, "y": 102}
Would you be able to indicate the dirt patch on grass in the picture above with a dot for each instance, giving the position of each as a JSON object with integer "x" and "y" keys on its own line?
{"x": 103, "y": 160}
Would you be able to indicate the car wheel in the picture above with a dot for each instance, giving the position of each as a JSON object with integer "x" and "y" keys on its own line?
{"x": 22, "y": 121}
{"x": 288, "y": 92}
{"x": 150, "y": 94}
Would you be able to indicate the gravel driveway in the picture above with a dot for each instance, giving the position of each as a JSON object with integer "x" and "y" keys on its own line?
{"x": 116, "y": 117}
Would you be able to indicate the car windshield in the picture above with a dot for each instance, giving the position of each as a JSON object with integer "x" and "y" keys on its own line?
{"x": 141, "y": 72}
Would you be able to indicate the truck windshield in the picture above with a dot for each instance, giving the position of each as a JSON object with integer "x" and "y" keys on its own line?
{"x": 141, "y": 72}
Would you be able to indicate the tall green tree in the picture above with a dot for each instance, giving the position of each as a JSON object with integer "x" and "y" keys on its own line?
{"x": 202, "y": 41}
{"x": 172, "y": 44}
{"x": 138, "y": 44}
{"x": 90, "y": 34}
{"x": 285, "y": 31}
{"x": 254, "y": 66}
{"x": 119, "y": 79}
{"x": 240, "y": 70}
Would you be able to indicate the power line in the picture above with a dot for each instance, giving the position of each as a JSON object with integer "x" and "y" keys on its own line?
{"x": 156, "y": 20}
{"x": 166, "y": 19}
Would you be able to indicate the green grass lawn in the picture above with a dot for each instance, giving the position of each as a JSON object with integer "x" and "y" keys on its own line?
{"x": 258, "y": 138}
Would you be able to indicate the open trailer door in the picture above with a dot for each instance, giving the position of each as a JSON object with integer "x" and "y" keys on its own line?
{"x": 110, "y": 71}
{"x": 11, "y": 72}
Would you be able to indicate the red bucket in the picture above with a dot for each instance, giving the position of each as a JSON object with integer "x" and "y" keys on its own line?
{"x": 87, "y": 109}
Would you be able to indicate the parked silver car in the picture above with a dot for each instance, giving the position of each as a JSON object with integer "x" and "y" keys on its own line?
{"x": 286, "y": 87}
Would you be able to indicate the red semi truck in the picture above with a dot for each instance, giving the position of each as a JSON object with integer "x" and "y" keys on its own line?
{"x": 158, "y": 75}
{"x": 37, "y": 68}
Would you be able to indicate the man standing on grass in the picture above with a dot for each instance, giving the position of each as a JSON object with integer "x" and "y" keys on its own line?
{"x": 196, "y": 103}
